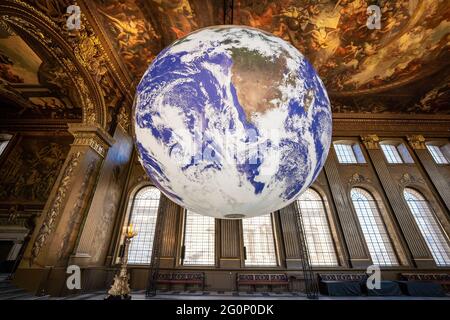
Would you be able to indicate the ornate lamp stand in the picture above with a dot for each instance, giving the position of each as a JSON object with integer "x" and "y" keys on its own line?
{"x": 120, "y": 290}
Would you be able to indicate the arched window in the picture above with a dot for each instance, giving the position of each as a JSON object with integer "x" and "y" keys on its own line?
{"x": 259, "y": 241}
{"x": 434, "y": 235}
{"x": 199, "y": 240}
{"x": 373, "y": 228}
{"x": 144, "y": 211}
{"x": 317, "y": 231}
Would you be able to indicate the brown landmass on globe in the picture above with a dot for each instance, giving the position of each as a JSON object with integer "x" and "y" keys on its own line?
{"x": 256, "y": 79}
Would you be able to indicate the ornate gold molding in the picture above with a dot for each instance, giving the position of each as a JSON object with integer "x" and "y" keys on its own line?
{"x": 80, "y": 52}
{"x": 357, "y": 178}
{"x": 56, "y": 207}
{"x": 417, "y": 141}
{"x": 123, "y": 119}
{"x": 371, "y": 141}
{"x": 92, "y": 136}
{"x": 77, "y": 211}
{"x": 408, "y": 179}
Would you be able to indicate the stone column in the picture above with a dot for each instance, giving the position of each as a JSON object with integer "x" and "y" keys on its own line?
{"x": 357, "y": 250}
{"x": 417, "y": 142}
{"x": 418, "y": 248}
{"x": 57, "y": 228}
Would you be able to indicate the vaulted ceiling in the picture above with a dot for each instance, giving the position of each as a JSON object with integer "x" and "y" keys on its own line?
{"x": 404, "y": 67}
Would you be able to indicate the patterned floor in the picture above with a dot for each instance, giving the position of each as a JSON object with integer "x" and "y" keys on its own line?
{"x": 10, "y": 292}
{"x": 220, "y": 295}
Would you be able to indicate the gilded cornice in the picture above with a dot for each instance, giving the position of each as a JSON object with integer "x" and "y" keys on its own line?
{"x": 417, "y": 141}
{"x": 371, "y": 141}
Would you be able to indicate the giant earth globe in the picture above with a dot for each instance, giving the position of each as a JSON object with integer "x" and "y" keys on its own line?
{"x": 232, "y": 122}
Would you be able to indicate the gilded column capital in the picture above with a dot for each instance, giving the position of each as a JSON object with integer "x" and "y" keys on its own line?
{"x": 123, "y": 119}
{"x": 371, "y": 141}
{"x": 91, "y": 135}
{"x": 417, "y": 141}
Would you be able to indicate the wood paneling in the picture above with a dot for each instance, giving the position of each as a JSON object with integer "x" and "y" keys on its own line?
{"x": 229, "y": 239}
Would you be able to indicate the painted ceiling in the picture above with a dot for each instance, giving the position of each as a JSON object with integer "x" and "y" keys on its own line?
{"x": 411, "y": 47}
{"x": 403, "y": 67}
{"x": 30, "y": 88}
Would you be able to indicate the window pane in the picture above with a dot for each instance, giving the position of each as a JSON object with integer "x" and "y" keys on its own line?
{"x": 437, "y": 154}
{"x": 404, "y": 153}
{"x": 3, "y": 145}
{"x": 345, "y": 153}
{"x": 259, "y": 241}
{"x": 143, "y": 217}
{"x": 199, "y": 240}
{"x": 391, "y": 153}
{"x": 315, "y": 223}
{"x": 358, "y": 153}
{"x": 432, "y": 232}
{"x": 373, "y": 228}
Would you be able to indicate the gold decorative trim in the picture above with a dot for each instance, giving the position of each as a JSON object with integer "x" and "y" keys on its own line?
{"x": 92, "y": 136}
{"x": 371, "y": 141}
{"x": 408, "y": 179}
{"x": 55, "y": 210}
{"x": 357, "y": 178}
{"x": 93, "y": 141}
{"x": 417, "y": 141}
{"x": 77, "y": 210}
{"x": 80, "y": 52}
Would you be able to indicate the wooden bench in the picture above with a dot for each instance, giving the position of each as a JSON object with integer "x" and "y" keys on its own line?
{"x": 442, "y": 278}
{"x": 342, "y": 277}
{"x": 267, "y": 279}
{"x": 341, "y": 284}
{"x": 184, "y": 278}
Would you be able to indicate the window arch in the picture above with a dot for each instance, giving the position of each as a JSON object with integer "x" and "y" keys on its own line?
{"x": 317, "y": 230}
{"x": 429, "y": 227}
{"x": 259, "y": 241}
{"x": 373, "y": 228}
{"x": 144, "y": 211}
{"x": 199, "y": 240}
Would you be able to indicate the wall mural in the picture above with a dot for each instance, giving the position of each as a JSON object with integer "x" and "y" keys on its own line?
{"x": 31, "y": 168}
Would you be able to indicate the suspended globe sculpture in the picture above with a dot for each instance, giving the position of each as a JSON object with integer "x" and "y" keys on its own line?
{"x": 232, "y": 122}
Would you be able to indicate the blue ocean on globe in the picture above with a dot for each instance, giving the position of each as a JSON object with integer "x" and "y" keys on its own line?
{"x": 232, "y": 122}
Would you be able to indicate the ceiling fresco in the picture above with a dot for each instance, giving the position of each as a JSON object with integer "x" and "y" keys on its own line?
{"x": 412, "y": 41}
{"x": 403, "y": 67}
{"x": 133, "y": 36}
{"x": 353, "y": 61}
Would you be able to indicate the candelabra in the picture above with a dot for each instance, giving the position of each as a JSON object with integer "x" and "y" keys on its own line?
{"x": 120, "y": 290}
